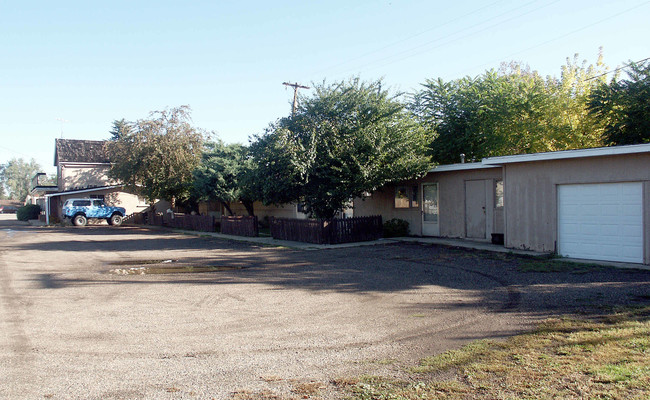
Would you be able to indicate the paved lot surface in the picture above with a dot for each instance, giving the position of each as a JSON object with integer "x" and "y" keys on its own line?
{"x": 269, "y": 320}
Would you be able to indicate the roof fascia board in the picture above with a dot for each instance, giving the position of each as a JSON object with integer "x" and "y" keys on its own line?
{"x": 68, "y": 163}
{"x": 97, "y": 189}
{"x": 567, "y": 154}
{"x": 461, "y": 167}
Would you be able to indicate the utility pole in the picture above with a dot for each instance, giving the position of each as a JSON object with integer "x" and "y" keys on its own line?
{"x": 295, "y": 87}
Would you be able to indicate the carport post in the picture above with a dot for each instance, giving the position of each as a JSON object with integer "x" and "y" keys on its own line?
{"x": 47, "y": 209}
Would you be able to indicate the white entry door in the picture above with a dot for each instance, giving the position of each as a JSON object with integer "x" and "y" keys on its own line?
{"x": 475, "y": 209}
{"x": 430, "y": 220}
{"x": 601, "y": 221}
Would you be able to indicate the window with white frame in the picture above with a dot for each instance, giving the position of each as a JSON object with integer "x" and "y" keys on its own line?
{"x": 406, "y": 196}
{"x": 498, "y": 193}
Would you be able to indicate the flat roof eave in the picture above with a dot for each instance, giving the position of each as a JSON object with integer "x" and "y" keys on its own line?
{"x": 567, "y": 154}
{"x": 461, "y": 167}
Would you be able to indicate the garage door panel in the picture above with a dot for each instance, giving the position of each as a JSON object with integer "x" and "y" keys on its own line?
{"x": 631, "y": 232}
{"x": 609, "y": 230}
{"x": 589, "y": 229}
{"x": 631, "y": 210}
{"x": 601, "y": 221}
{"x": 632, "y": 189}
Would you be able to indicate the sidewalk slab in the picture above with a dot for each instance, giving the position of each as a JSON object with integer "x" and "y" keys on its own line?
{"x": 471, "y": 244}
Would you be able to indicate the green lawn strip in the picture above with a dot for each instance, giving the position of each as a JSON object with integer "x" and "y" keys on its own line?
{"x": 597, "y": 358}
{"x": 558, "y": 265}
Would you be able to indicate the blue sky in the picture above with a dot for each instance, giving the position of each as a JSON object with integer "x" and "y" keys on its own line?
{"x": 74, "y": 67}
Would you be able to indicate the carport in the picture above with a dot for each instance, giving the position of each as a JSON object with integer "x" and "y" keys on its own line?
{"x": 55, "y": 200}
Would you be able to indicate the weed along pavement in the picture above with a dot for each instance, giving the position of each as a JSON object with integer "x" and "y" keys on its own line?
{"x": 130, "y": 313}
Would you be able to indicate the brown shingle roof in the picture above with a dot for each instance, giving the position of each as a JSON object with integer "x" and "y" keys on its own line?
{"x": 86, "y": 151}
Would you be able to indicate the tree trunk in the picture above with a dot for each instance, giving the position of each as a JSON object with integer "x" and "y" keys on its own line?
{"x": 227, "y": 207}
{"x": 249, "y": 207}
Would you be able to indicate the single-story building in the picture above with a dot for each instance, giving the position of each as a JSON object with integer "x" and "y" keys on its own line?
{"x": 588, "y": 203}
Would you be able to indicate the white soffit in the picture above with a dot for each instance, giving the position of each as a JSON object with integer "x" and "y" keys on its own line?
{"x": 461, "y": 167}
{"x": 560, "y": 155}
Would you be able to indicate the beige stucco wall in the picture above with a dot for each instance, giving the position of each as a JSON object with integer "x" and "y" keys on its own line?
{"x": 83, "y": 176}
{"x": 261, "y": 211}
{"x": 531, "y": 194}
{"x": 382, "y": 202}
{"x": 451, "y": 194}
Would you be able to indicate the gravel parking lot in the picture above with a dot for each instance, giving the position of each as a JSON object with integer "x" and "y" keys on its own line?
{"x": 77, "y": 320}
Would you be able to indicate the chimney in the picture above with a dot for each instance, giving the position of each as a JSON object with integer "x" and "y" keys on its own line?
{"x": 462, "y": 158}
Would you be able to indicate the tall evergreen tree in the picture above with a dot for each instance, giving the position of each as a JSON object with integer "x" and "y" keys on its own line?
{"x": 624, "y": 106}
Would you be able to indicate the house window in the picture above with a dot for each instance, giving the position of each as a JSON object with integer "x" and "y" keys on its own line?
{"x": 97, "y": 196}
{"x": 498, "y": 193}
{"x": 406, "y": 196}
{"x": 402, "y": 197}
{"x": 414, "y": 196}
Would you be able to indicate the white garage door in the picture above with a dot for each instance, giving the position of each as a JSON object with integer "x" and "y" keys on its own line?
{"x": 601, "y": 221}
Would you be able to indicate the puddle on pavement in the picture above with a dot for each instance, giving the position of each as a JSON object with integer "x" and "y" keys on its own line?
{"x": 188, "y": 269}
{"x": 143, "y": 262}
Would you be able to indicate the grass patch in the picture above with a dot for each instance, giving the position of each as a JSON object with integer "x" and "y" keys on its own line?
{"x": 605, "y": 357}
{"x": 558, "y": 265}
{"x": 308, "y": 389}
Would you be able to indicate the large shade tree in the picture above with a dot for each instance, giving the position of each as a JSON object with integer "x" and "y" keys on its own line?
{"x": 16, "y": 175}
{"x": 624, "y": 106}
{"x": 155, "y": 157}
{"x": 346, "y": 139}
{"x": 509, "y": 111}
{"x": 225, "y": 174}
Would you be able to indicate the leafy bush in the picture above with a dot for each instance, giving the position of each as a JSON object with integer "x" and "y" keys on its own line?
{"x": 395, "y": 228}
{"x": 29, "y": 211}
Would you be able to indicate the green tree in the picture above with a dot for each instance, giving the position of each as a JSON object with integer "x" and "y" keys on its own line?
{"x": 157, "y": 156}
{"x": 120, "y": 128}
{"x": 624, "y": 106}
{"x": 348, "y": 138}
{"x": 223, "y": 175}
{"x": 510, "y": 111}
{"x": 16, "y": 175}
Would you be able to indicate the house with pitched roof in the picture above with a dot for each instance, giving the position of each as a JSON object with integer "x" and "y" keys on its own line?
{"x": 82, "y": 172}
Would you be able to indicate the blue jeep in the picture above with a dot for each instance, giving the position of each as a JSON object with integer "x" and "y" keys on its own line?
{"x": 80, "y": 210}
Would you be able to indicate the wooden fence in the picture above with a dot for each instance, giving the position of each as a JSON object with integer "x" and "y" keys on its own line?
{"x": 334, "y": 231}
{"x": 203, "y": 223}
{"x": 240, "y": 226}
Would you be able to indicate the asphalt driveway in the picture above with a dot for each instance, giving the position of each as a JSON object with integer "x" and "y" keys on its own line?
{"x": 76, "y": 323}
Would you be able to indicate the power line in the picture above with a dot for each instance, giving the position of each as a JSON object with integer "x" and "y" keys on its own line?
{"x": 411, "y": 52}
{"x": 414, "y": 36}
{"x": 617, "y": 69}
{"x": 562, "y": 36}
{"x": 14, "y": 151}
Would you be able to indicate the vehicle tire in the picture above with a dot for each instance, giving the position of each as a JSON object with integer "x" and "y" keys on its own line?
{"x": 80, "y": 220}
{"x": 115, "y": 220}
